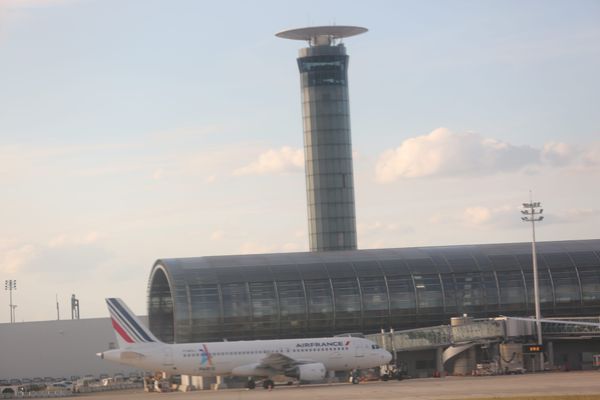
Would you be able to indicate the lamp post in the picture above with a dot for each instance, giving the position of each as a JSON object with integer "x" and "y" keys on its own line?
{"x": 532, "y": 213}
{"x": 10, "y": 285}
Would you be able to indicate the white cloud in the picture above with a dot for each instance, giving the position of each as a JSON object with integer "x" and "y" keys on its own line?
{"x": 576, "y": 158}
{"x": 255, "y": 248}
{"x": 19, "y": 161}
{"x": 558, "y": 153}
{"x": 64, "y": 240}
{"x": 14, "y": 162}
{"x": 283, "y": 160}
{"x": 15, "y": 11}
{"x": 13, "y": 260}
{"x": 444, "y": 153}
{"x": 579, "y": 214}
{"x": 301, "y": 234}
{"x": 187, "y": 133}
{"x": 573, "y": 215}
{"x": 61, "y": 256}
{"x": 158, "y": 174}
{"x": 292, "y": 247}
{"x": 377, "y": 226}
{"x": 591, "y": 156}
{"x": 482, "y": 216}
{"x": 67, "y": 260}
{"x": 378, "y": 234}
{"x": 207, "y": 164}
{"x": 108, "y": 170}
{"x": 477, "y": 216}
{"x": 32, "y": 3}
{"x": 217, "y": 235}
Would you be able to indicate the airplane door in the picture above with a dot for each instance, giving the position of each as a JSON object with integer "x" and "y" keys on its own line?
{"x": 168, "y": 358}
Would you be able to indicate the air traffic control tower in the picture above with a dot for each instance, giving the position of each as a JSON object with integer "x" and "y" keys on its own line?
{"x": 327, "y": 141}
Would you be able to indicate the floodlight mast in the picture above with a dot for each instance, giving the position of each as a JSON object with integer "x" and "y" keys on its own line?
{"x": 10, "y": 285}
{"x": 532, "y": 212}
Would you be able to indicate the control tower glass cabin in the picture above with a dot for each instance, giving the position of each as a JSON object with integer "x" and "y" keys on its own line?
{"x": 327, "y": 141}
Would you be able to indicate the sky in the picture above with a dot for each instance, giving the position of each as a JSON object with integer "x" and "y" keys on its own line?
{"x": 134, "y": 130}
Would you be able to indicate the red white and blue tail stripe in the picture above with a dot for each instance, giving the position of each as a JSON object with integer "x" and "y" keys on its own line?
{"x": 128, "y": 328}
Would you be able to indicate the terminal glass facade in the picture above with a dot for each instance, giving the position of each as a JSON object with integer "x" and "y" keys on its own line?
{"x": 326, "y": 293}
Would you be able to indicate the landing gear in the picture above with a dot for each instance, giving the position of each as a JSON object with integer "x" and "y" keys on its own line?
{"x": 250, "y": 384}
{"x": 268, "y": 384}
{"x": 354, "y": 375}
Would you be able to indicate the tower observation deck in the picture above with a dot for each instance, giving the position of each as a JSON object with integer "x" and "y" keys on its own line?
{"x": 323, "y": 69}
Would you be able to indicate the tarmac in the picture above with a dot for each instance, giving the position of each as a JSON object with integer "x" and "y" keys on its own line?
{"x": 550, "y": 384}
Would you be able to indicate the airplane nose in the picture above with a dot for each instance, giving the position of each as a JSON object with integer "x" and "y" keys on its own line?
{"x": 387, "y": 357}
{"x": 101, "y": 355}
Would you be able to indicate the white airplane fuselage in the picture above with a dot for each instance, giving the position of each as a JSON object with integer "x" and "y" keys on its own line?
{"x": 244, "y": 357}
{"x": 304, "y": 359}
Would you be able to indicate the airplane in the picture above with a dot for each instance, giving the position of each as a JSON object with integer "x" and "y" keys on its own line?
{"x": 302, "y": 359}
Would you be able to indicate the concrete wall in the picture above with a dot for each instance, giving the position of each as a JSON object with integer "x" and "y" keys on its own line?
{"x": 57, "y": 348}
{"x": 570, "y": 355}
{"x": 417, "y": 364}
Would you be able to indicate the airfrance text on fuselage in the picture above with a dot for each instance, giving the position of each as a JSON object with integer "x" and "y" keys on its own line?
{"x": 322, "y": 344}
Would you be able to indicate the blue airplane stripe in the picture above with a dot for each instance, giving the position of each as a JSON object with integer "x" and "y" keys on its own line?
{"x": 132, "y": 321}
{"x": 124, "y": 323}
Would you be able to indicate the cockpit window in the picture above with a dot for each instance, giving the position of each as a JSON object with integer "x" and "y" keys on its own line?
{"x": 375, "y": 347}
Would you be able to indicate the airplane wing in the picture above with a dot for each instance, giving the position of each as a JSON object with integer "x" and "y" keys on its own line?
{"x": 280, "y": 362}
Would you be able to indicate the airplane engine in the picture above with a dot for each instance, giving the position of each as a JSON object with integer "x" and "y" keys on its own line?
{"x": 310, "y": 372}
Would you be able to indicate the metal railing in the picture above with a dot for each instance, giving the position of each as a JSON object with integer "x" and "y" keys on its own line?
{"x": 68, "y": 393}
{"x": 483, "y": 330}
{"x": 440, "y": 336}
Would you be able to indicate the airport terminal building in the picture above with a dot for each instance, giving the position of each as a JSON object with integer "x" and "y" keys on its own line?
{"x": 336, "y": 288}
{"x": 325, "y": 293}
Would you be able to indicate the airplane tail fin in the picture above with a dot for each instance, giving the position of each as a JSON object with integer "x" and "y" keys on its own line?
{"x": 129, "y": 330}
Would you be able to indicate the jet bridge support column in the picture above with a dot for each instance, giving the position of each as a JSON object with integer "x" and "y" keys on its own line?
{"x": 205, "y": 382}
{"x": 439, "y": 362}
{"x": 190, "y": 382}
{"x": 186, "y": 383}
{"x": 220, "y": 384}
{"x": 550, "y": 358}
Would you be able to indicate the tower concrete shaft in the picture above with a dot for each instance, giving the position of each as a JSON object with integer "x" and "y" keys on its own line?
{"x": 327, "y": 147}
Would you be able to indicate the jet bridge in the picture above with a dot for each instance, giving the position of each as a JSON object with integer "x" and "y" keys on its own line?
{"x": 441, "y": 336}
{"x": 458, "y": 339}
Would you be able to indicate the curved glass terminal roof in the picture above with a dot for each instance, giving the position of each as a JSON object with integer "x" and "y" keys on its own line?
{"x": 325, "y": 293}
